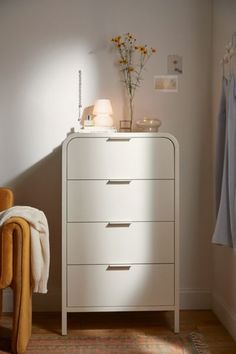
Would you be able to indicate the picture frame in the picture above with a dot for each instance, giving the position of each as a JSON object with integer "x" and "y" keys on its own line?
{"x": 166, "y": 83}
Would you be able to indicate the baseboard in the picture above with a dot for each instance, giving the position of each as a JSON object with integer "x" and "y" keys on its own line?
{"x": 190, "y": 299}
{"x": 225, "y": 314}
{"x": 195, "y": 299}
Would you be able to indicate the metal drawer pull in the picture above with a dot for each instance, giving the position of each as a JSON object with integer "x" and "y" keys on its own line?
{"x": 117, "y": 224}
{"x": 118, "y": 267}
{"x": 110, "y": 181}
{"x": 118, "y": 139}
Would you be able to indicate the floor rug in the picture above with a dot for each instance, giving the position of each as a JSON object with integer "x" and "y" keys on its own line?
{"x": 115, "y": 341}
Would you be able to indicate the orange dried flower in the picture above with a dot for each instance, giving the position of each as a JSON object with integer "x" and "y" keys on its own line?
{"x": 132, "y": 60}
{"x": 122, "y": 61}
{"x": 116, "y": 39}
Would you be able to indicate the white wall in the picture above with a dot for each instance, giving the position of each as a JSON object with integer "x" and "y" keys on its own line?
{"x": 43, "y": 44}
{"x": 224, "y": 274}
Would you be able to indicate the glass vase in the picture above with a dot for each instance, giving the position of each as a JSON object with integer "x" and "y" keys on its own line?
{"x": 126, "y": 125}
{"x": 131, "y": 112}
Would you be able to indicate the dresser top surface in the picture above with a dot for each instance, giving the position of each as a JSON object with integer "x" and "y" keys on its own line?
{"x": 122, "y": 135}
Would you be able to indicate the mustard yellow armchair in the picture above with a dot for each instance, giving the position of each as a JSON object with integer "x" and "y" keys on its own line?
{"x": 15, "y": 272}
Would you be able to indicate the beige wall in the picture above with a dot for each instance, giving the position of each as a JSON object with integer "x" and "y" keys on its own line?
{"x": 43, "y": 44}
{"x": 224, "y": 260}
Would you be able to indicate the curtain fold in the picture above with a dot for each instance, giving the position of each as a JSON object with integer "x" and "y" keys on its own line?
{"x": 225, "y": 227}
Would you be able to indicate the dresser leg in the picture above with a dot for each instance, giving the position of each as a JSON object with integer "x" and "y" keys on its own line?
{"x": 176, "y": 321}
{"x": 64, "y": 323}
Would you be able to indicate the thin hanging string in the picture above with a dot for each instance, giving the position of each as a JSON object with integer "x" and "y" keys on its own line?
{"x": 79, "y": 94}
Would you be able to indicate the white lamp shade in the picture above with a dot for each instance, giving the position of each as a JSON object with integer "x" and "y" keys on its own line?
{"x": 103, "y": 111}
{"x": 102, "y": 106}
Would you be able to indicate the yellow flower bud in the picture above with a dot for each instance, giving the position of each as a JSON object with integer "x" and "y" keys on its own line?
{"x": 130, "y": 68}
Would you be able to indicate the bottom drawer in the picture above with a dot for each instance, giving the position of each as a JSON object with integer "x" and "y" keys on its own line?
{"x": 132, "y": 285}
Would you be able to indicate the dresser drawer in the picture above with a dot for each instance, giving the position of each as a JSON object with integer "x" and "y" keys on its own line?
{"x": 132, "y": 158}
{"x": 150, "y": 242}
{"x": 139, "y": 285}
{"x": 93, "y": 201}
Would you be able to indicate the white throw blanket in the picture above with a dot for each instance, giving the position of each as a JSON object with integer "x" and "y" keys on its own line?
{"x": 40, "y": 251}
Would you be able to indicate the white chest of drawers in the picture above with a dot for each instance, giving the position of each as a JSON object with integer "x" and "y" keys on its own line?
{"x": 120, "y": 221}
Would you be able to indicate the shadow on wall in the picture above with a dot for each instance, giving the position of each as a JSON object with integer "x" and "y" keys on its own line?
{"x": 40, "y": 187}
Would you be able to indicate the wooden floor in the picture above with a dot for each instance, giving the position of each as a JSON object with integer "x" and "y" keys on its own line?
{"x": 218, "y": 339}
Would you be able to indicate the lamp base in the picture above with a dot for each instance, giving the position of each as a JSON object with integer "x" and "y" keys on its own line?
{"x": 103, "y": 121}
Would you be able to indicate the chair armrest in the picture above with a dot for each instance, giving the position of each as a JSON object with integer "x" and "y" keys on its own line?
{"x": 6, "y": 198}
{"x": 13, "y": 227}
{"x": 16, "y": 234}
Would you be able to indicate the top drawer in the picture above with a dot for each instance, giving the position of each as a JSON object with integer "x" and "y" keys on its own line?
{"x": 120, "y": 158}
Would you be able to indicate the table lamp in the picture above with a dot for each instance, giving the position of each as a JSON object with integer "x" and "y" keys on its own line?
{"x": 102, "y": 112}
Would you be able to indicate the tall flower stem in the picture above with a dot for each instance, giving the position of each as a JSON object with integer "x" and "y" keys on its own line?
{"x": 131, "y": 111}
{"x": 133, "y": 59}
